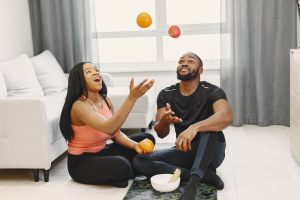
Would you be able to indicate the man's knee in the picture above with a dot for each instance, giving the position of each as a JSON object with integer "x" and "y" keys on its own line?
{"x": 208, "y": 137}
{"x": 140, "y": 162}
{"x": 209, "y": 134}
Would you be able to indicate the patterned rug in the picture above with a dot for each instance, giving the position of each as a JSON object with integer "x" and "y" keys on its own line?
{"x": 141, "y": 189}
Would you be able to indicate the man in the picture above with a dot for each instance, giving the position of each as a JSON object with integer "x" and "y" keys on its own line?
{"x": 199, "y": 112}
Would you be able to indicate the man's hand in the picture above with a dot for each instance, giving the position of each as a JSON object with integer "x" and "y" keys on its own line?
{"x": 164, "y": 117}
{"x": 184, "y": 139}
{"x": 168, "y": 116}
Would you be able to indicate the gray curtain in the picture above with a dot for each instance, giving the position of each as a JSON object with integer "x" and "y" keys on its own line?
{"x": 63, "y": 27}
{"x": 256, "y": 39}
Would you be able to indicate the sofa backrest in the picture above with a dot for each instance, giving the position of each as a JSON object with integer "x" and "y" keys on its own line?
{"x": 24, "y": 77}
{"x": 107, "y": 79}
{"x": 49, "y": 73}
{"x": 20, "y": 78}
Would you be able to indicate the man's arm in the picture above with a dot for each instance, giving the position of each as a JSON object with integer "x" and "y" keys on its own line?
{"x": 162, "y": 127}
{"x": 221, "y": 118}
{"x": 164, "y": 117}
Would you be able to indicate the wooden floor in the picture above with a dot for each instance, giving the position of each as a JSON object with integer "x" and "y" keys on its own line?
{"x": 258, "y": 166}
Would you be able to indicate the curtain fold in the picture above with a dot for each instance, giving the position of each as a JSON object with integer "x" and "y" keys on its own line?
{"x": 63, "y": 27}
{"x": 256, "y": 37}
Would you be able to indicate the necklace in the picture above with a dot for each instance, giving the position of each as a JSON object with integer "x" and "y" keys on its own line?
{"x": 98, "y": 104}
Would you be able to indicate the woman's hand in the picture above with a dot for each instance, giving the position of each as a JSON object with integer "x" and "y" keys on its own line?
{"x": 140, "y": 89}
{"x": 138, "y": 149}
{"x": 145, "y": 146}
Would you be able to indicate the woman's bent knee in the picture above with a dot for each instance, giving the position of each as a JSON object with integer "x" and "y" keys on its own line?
{"x": 124, "y": 170}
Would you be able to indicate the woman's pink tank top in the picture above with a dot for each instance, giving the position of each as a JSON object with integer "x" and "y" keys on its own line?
{"x": 88, "y": 139}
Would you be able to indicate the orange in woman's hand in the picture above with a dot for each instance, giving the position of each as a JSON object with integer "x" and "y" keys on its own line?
{"x": 146, "y": 145}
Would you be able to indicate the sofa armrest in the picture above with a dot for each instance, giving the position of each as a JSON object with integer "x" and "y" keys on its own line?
{"x": 24, "y": 132}
{"x": 107, "y": 79}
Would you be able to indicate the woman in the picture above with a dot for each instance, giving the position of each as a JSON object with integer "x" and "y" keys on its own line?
{"x": 88, "y": 121}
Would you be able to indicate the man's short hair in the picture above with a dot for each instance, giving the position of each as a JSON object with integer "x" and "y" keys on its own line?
{"x": 198, "y": 58}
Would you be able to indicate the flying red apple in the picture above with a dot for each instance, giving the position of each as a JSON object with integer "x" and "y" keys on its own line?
{"x": 174, "y": 31}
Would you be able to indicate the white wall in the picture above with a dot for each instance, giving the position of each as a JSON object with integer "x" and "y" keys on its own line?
{"x": 15, "y": 32}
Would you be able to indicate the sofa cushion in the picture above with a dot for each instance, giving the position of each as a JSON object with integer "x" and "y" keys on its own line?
{"x": 107, "y": 78}
{"x": 3, "y": 92}
{"x": 20, "y": 78}
{"x": 49, "y": 73}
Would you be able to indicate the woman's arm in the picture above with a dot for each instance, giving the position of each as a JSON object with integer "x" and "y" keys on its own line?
{"x": 123, "y": 140}
{"x": 83, "y": 111}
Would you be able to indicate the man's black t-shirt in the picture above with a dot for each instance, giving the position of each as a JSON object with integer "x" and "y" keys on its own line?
{"x": 192, "y": 108}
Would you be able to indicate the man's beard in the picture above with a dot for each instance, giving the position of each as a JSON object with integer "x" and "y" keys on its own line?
{"x": 187, "y": 77}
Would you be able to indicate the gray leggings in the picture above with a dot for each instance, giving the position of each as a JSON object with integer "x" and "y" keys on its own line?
{"x": 208, "y": 152}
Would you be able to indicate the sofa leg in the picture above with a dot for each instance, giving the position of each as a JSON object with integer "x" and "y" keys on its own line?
{"x": 46, "y": 175}
{"x": 36, "y": 175}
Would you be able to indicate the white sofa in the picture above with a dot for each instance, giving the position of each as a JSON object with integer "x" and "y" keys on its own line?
{"x": 31, "y": 99}
{"x": 32, "y": 93}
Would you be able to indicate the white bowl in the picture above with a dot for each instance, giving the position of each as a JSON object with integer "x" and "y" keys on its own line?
{"x": 160, "y": 183}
